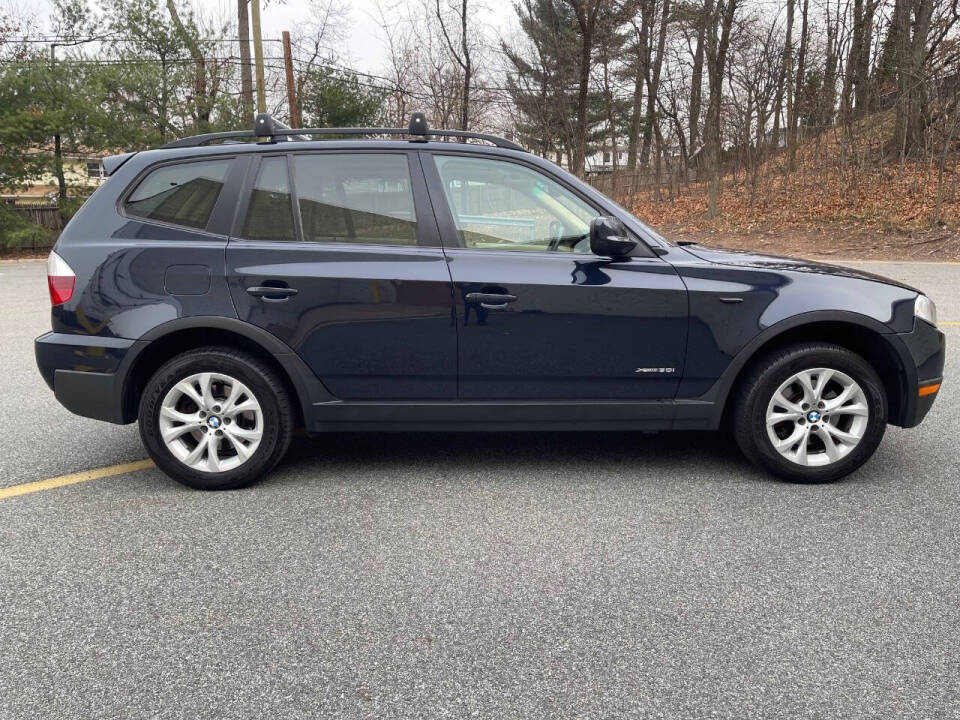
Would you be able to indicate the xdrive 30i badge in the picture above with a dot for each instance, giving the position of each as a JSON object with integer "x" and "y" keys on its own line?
{"x": 656, "y": 370}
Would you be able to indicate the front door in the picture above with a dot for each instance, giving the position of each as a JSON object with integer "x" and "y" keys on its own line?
{"x": 538, "y": 315}
{"x": 337, "y": 255}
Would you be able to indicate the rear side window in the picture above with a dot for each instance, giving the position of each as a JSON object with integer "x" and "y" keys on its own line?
{"x": 270, "y": 212}
{"x": 356, "y": 198}
{"x": 182, "y": 194}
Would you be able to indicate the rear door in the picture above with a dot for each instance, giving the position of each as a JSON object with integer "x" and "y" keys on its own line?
{"x": 538, "y": 315}
{"x": 337, "y": 254}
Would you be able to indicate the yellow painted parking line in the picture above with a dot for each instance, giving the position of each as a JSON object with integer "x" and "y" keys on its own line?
{"x": 949, "y": 322}
{"x": 73, "y": 478}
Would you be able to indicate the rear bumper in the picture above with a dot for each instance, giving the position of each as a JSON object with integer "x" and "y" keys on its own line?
{"x": 925, "y": 350}
{"x": 84, "y": 373}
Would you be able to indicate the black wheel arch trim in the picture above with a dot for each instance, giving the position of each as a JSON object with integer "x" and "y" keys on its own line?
{"x": 310, "y": 390}
{"x": 719, "y": 393}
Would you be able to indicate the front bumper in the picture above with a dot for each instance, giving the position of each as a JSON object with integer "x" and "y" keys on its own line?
{"x": 85, "y": 373}
{"x": 924, "y": 352}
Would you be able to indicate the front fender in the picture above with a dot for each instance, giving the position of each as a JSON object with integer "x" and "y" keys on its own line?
{"x": 735, "y": 312}
{"x": 731, "y": 306}
{"x": 720, "y": 389}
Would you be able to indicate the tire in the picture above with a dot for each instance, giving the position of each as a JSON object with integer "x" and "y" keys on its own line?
{"x": 787, "y": 388}
{"x": 216, "y": 441}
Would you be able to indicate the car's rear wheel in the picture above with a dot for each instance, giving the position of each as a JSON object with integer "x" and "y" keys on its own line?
{"x": 811, "y": 412}
{"x": 215, "y": 418}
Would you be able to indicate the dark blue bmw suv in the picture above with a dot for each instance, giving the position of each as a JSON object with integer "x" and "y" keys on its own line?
{"x": 225, "y": 292}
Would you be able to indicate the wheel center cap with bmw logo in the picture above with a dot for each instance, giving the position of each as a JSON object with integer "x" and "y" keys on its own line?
{"x": 813, "y": 416}
{"x": 213, "y": 421}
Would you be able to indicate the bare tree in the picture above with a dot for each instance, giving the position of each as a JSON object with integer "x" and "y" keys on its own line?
{"x": 784, "y": 84}
{"x": 586, "y": 12}
{"x": 800, "y": 76}
{"x": 911, "y": 23}
{"x": 703, "y": 18}
{"x": 638, "y": 52}
{"x": 460, "y": 52}
{"x": 718, "y": 42}
{"x": 652, "y": 79}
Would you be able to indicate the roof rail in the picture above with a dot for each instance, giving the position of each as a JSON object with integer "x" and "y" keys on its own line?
{"x": 266, "y": 127}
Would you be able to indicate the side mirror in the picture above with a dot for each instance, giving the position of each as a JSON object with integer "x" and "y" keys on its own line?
{"x": 608, "y": 238}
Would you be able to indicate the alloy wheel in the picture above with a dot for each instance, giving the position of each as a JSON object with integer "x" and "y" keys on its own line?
{"x": 211, "y": 422}
{"x": 817, "y": 417}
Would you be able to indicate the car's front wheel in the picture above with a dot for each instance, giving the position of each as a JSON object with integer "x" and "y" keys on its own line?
{"x": 215, "y": 418}
{"x": 811, "y": 412}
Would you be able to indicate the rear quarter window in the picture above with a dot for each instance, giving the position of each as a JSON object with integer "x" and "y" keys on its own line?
{"x": 180, "y": 194}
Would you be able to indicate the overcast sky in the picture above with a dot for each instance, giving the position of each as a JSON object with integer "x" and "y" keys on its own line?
{"x": 364, "y": 48}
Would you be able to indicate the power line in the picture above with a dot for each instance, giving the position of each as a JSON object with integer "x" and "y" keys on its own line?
{"x": 58, "y": 39}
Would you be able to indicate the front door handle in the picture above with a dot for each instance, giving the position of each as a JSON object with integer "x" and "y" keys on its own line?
{"x": 272, "y": 293}
{"x": 491, "y": 301}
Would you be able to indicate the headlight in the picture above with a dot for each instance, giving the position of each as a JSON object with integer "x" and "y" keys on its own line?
{"x": 925, "y": 309}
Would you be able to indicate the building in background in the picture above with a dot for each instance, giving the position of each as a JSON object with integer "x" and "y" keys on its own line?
{"x": 82, "y": 171}
{"x": 601, "y": 161}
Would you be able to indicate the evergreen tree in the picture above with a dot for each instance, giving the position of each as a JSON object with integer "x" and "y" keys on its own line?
{"x": 543, "y": 82}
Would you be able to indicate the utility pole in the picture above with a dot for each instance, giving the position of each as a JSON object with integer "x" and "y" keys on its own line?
{"x": 258, "y": 56}
{"x": 291, "y": 88}
{"x": 246, "y": 68}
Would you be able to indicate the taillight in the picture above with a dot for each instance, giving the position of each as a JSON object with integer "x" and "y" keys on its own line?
{"x": 60, "y": 279}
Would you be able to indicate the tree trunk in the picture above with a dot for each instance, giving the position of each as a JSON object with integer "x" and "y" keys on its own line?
{"x": 696, "y": 82}
{"x": 467, "y": 69}
{"x": 58, "y": 169}
{"x": 786, "y": 71}
{"x": 863, "y": 91}
{"x": 586, "y": 19}
{"x": 653, "y": 84}
{"x": 633, "y": 138}
{"x": 798, "y": 88}
{"x": 609, "y": 108}
{"x": 164, "y": 115}
{"x": 202, "y": 104}
{"x": 716, "y": 64}
{"x": 846, "y": 94}
{"x": 246, "y": 69}
{"x": 828, "y": 93}
{"x": 640, "y": 72}
{"x": 911, "y": 94}
{"x": 462, "y": 58}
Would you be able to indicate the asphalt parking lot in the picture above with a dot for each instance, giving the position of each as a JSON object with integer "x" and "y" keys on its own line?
{"x": 496, "y": 576}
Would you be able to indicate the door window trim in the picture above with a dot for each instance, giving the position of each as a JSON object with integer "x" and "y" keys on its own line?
{"x": 428, "y": 231}
{"x": 246, "y": 196}
{"x": 444, "y": 213}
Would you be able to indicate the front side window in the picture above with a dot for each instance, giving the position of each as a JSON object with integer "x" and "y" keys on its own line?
{"x": 498, "y": 205}
{"x": 182, "y": 194}
{"x": 356, "y": 198}
{"x": 270, "y": 212}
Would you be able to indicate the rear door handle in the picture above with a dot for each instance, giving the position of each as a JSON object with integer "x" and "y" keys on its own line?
{"x": 491, "y": 301}
{"x": 272, "y": 293}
